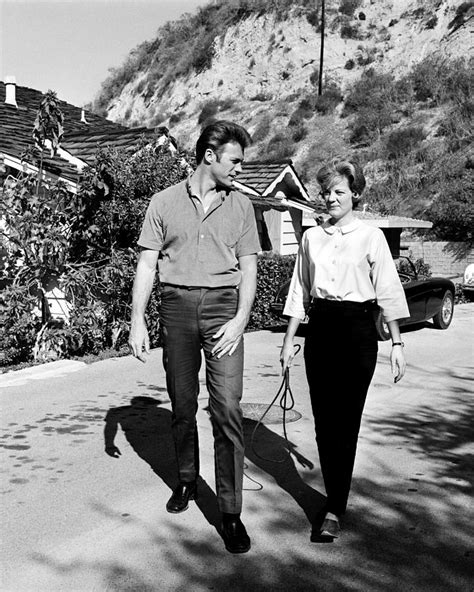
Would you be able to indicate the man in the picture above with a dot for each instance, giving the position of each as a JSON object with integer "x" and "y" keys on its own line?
{"x": 203, "y": 235}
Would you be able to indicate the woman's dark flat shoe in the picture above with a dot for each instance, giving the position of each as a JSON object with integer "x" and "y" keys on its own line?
{"x": 330, "y": 528}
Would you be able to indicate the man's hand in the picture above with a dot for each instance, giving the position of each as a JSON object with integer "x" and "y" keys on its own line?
{"x": 113, "y": 451}
{"x": 229, "y": 336}
{"x": 139, "y": 341}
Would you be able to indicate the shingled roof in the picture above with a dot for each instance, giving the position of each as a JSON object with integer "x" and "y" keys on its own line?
{"x": 81, "y": 138}
{"x": 274, "y": 185}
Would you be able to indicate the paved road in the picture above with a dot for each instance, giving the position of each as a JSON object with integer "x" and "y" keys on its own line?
{"x": 75, "y": 519}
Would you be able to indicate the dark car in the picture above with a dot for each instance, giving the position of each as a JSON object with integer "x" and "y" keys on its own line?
{"x": 427, "y": 298}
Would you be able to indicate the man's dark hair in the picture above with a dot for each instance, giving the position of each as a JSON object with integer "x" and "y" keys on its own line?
{"x": 218, "y": 133}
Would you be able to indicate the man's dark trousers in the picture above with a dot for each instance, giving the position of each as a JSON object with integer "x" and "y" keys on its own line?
{"x": 189, "y": 318}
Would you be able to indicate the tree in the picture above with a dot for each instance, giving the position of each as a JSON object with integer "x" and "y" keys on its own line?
{"x": 86, "y": 244}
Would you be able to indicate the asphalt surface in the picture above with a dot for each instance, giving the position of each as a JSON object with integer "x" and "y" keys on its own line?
{"x": 75, "y": 519}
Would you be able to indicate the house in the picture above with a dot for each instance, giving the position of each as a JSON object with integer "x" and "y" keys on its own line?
{"x": 84, "y": 133}
{"x": 283, "y": 208}
{"x": 279, "y": 197}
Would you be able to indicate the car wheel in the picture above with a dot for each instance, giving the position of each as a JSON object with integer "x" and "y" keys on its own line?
{"x": 382, "y": 328}
{"x": 444, "y": 316}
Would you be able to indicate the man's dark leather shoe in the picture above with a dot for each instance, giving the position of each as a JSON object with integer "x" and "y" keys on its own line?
{"x": 178, "y": 502}
{"x": 235, "y": 536}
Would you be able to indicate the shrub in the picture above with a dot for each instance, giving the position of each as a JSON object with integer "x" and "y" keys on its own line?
{"x": 83, "y": 243}
{"x": 20, "y": 325}
{"x": 212, "y": 108}
{"x": 350, "y": 31}
{"x": 373, "y": 99}
{"x": 431, "y": 22}
{"x": 452, "y": 211}
{"x": 314, "y": 77}
{"x": 280, "y": 147}
{"x": 263, "y": 128}
{"x": 272, "y": 271}
{"x": 441, "y": 80}
{"x": 176, "y": 117}
{"x": 299, "y": 133}
{"x": 329, "y": 99}
{"x": 456, "y": 126}
{"x": 314, "y": 19}
{"x": 403, "y": 140}
{"x": 348, "y": 7}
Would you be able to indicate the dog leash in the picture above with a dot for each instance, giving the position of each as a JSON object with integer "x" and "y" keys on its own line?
{"x": 287, "y": 402}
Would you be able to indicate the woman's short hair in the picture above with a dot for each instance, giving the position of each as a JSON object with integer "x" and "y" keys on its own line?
{"x": 218, "y": 133}
{"x": 328, "y": 173}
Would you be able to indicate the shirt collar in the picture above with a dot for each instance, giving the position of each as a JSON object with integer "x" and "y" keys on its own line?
{"x": 222, "y": 192}
{"x": 331, "y": 229}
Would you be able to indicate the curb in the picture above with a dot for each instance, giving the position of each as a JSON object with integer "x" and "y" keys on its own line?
{"x": 45, "y": 371}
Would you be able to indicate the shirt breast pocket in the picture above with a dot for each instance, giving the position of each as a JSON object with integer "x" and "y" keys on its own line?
{"x": 230, "y": 233}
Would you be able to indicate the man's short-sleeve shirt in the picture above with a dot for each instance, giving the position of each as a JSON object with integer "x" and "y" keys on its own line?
{"x": 199, "y": 248}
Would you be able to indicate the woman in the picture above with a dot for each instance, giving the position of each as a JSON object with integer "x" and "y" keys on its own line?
{"x": 343, "y": 271}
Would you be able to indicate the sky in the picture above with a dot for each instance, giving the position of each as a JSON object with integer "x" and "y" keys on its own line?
{"x": 69, "y": 45}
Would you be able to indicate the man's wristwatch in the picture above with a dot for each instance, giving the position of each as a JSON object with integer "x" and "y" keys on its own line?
{"x": 398, "y": 343}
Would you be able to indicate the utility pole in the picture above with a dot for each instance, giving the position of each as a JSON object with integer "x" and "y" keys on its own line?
{"x": 321, "y": 53}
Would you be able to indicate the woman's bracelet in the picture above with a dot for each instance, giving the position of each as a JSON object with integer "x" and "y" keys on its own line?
{"x": 398, "y": 343}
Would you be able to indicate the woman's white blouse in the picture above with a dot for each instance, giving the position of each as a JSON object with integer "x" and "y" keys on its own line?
{"x": 351, "y": 262}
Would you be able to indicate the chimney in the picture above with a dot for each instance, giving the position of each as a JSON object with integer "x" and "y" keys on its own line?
{"x": 83, "y": 116}
{"x": 10, "y": 91}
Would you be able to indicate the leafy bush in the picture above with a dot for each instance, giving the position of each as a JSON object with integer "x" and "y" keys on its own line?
{"x": 262, "y": 97}
{"x": 272, "y": 271}
{"x": 280, "y": 147}
{"x": 314, "y": 19}
{"x": 403, "y": 140}
{"x": 372, "y": 99}
{"x": 86, "y": 245}
{"x": 212, "y": 108}
{"x": 350, "y": 31}
{"x": 20, "y": 325}
{"x": 263, "y": 128}
{"x": 452, "y": 211}
{"x": 299, "y": 133}
{"x": 329, "y": 99}
{"x": 348, "y": 7}
{"x": 441, "y": 80}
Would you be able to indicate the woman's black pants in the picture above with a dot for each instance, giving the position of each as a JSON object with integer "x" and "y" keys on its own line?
{"x": 340, "y": 356}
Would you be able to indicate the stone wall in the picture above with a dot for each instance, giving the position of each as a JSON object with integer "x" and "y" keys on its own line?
{"x": 448, "y": 259}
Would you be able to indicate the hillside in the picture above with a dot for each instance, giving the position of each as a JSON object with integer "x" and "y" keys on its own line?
{"x": 257, "y": 62}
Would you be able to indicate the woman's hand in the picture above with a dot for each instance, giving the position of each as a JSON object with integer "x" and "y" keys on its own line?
{"x": 287, "y": 354}
{"x": 397, "y": 357}
{"x": 397, "y": 360}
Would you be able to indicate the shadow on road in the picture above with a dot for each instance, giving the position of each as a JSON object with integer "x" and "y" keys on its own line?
{"x": 147, "y": 428}
{"x": 274, "y": 455}
{"x": 393, "y": 539}
{"x": 441, "y": 432}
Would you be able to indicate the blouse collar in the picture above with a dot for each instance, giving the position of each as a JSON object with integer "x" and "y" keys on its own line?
{"x": 331, "y": 229}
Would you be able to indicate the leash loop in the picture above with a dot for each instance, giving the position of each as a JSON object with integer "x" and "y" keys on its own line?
{"x": 287, "y": 402}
